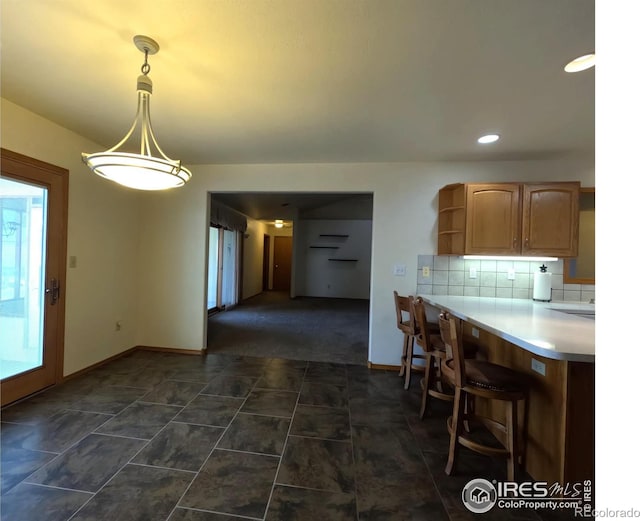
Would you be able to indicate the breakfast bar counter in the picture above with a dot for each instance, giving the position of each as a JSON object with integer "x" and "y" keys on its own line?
{"x": 549, "y": 329}
{"x": 553, "y": 346}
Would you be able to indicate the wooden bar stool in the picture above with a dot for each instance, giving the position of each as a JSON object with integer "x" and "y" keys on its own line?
{"x": 406, "y": 324}
{"x": 487, "y": 380}
{"x": 435, "y": 353}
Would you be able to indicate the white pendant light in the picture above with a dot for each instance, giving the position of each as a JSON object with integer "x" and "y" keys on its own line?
{"x": 141, "y": 165}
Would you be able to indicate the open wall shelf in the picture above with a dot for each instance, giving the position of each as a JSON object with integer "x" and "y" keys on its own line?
{"x": 333, "y": 247}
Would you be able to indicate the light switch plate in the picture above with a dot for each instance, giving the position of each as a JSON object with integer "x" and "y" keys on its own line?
{"x": 473, "y": 273}
{"x": 511, "y": 274}
{"x": 539, "y": 367}
{"x": 399, "y": 270}
{"x": 426, "y": 272}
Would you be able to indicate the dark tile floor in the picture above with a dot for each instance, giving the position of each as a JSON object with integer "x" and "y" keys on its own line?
{"x": 154, "y": 436}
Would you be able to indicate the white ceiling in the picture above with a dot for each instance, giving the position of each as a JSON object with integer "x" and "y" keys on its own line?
{"x": 253, "y": 81}
{"x": 289, "y": 205}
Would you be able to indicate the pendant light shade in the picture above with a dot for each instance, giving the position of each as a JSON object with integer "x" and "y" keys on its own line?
{"x": 137, "y": 161}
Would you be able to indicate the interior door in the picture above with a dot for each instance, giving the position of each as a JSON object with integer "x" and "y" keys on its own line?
{"x": 282, "y": 248}
{"x": 33, "y": 215}
{"x": 265, "y": 262}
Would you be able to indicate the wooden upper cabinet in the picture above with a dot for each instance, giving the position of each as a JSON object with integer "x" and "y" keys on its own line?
{"x": 493, "y": 219}
{"x": 550, "y": 219}
{"x": 509, "y": 219}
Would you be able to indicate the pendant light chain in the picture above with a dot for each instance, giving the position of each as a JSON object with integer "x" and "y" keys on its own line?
{"x": 145, "y": 66}
{"x": 145, "y": 147}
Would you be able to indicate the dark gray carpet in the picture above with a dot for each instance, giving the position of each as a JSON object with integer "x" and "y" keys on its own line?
{"x": 305, "y": 328}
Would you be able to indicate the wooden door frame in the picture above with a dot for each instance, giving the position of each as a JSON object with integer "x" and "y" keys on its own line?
{"x": 26, "y": 169}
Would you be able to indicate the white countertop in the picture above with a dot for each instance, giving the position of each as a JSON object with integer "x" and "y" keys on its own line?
{"x": 534, "y": 326}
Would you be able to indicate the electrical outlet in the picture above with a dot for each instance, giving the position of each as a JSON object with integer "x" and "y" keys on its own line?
{"x": 538, "y": 366}
{"x": 473, "y": 273}
{"x": 511, "y": 274}
{"x": 426, "y": 271}
{"x": 475, "y": 332}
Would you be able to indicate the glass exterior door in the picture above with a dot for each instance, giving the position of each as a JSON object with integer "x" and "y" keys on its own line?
{"x": 23, "y": 216}
{"x": 33, "y": 210}
{"x": 212, "y": 284}
{"x": 229, "y": 256}
{"x": 222, "y": 272}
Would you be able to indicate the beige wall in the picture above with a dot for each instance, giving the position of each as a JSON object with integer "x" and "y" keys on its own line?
{"x": 252, "y": 258}
{"x": 103, "y": 233}
{"x": 144, "y": 254}
{"x": 404, "y": 225}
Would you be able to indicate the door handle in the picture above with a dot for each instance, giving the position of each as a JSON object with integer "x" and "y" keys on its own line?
{"x": 53, "y": 291}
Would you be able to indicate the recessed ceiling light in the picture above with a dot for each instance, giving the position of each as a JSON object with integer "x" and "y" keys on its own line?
{"x": 580, "y": 64}
{"x": 489, "y": 138}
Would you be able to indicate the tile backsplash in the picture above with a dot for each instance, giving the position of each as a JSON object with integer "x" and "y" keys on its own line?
{"x": 450, "y": 275}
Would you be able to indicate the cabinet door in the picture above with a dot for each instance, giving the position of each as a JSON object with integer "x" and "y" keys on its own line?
{"x": 550, "y": 219}
{"x": 493, "y": 219}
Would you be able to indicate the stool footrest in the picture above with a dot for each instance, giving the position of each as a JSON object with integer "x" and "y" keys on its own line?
{"x": 494, "y": 427}
{"x": 441, "y": 396}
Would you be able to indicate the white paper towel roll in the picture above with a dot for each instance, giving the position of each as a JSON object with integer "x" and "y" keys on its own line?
{"x": 542, "y": 286}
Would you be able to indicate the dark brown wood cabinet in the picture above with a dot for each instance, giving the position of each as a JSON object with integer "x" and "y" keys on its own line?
{"x": 509, "y": 219}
